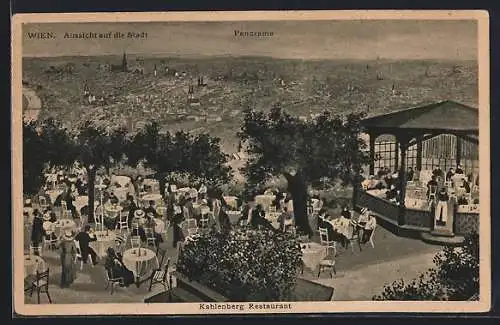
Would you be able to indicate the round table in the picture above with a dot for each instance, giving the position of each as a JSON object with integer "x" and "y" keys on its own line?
{"x": 265, "y": 200}
{"x": 312, "y": 255}
{"x": 104, "y": 240}
{"x": 33, "y": 263}
{"x": 232, "y": 201}
{"x": 113, "y": 210}
{"x": 152, "y": 197}
{"x": 140, "y": 264}
{"x": 65, "y": 223}
{"x": 80, "y": 202}
{"x": 53, "y": 194}
{"x": 49, "y": 226}
{"x": 234, "y": 216}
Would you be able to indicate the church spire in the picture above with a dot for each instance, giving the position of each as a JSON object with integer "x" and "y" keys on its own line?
{"x": 124, "y": 62}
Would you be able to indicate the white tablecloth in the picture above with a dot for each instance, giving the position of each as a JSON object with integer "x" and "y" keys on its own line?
{"x": 152, "y": 197}
{"x": 103, "y": 242}
{"x": 265, "y": 200}
{"x": 123, "y": 181}
{"x": 312, "y": 255}
{"x": 80, "y": 202}
{"x": 66, "y": 223}
{"x": 112, "y": 210}
{"x": 33, "y": 263}
{"x": 49, "y": 226}
{"x": 232, "y": 201}
{"x": 142, "y": 264}
{"x": 234, "y": 216}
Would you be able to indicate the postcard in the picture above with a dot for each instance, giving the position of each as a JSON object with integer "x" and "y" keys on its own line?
{"x": 251, "y": 162}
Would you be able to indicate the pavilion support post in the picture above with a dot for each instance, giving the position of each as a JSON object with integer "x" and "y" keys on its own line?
{"x": 396, "y": 155}
{"x": 372, "y": 153}
{"x": 419, "y": 153}
{"x": 459, "y": 150}
{"x": 403, "y": 143}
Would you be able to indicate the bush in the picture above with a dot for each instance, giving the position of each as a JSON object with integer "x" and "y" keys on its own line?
{"x": 244, "y": 264}
{"x": 454, "y": 277}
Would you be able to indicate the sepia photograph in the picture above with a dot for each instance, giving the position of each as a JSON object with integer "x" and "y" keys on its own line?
{"x": 250, "y": 162}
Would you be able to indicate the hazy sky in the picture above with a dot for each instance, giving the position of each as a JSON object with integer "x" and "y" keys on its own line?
{"x": 292, "y": 39}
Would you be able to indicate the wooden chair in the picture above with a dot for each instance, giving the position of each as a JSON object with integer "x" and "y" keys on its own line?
{"x": 79, "y": 256}
{"x": 150, "y": 236}
{"x": 371, "y": 237}
{"x": 204, "y": 221}
{"x": 99, "y": 218}
{"x": 65, "y": 212}
{"x": 35, "y": 250}
{"x": 327, "y": 264}
{"x": 111, "y": 281}
{"x": 122, "y": 223}
{"x": 160, "y": 254}
{"x": 43, "y": 203}
{"x": 192, "y": 227}
{"x": 160, "y": 276}
{"x": 41, "y": 285}
{"x": 324, "y": 241}
{"x": 432, "y": 193}
{"x": 49, "y": 242}
{"x": 355, "y": 238}
{"x": 135, "y": 241}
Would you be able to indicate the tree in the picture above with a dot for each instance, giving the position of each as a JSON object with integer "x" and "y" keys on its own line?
{"x": 199, "y": 156}
{"x": 44, "y": 143}
{"x": 302, "y": 151}
{"x": 455, "y": 276}
{"x": 96, "y": 147}
{"x": 33, "y": 159}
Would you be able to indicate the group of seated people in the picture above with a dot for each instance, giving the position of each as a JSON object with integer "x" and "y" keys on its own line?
{"x": 343, "y": 228}
{"x": 455, "y": 178}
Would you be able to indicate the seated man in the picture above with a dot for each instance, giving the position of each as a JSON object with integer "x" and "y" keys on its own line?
{"x": 285, "y": 219}
{"x": 151, "y": 209}
{"x": 450, "y": 174}
{"x": 437, "y": 172}
{"x": 409, "y": 175}
{"x": 392, "y": 194}
{"x": 431, "y": 184}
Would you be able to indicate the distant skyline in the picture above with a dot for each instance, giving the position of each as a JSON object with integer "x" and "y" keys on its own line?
{"x": 357, "y": 40}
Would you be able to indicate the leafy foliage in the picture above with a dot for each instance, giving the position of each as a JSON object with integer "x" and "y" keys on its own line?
{"x": 244, "y": 264}
{"x": 454, "y": 277}
{"x": 44, "y": 143}
{"x": 198, "y": 156}
{"x": 327, "y": 149}
{"x": 33, "y": 159}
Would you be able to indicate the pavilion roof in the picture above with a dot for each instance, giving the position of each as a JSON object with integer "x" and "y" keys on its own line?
{"x": 447, "y": 116}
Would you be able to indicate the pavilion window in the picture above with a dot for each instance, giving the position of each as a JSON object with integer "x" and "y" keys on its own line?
{"x": 411, "y": 157}
{"x": 385, "y": 152}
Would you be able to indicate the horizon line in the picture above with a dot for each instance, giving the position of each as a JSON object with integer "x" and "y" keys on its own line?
{"x": 218, "y": 56}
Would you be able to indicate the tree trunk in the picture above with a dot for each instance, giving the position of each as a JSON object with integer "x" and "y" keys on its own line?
{"x": 162, "y": 182}
{"x": 297, "y": 187}
{"x": 91, "y": 172}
